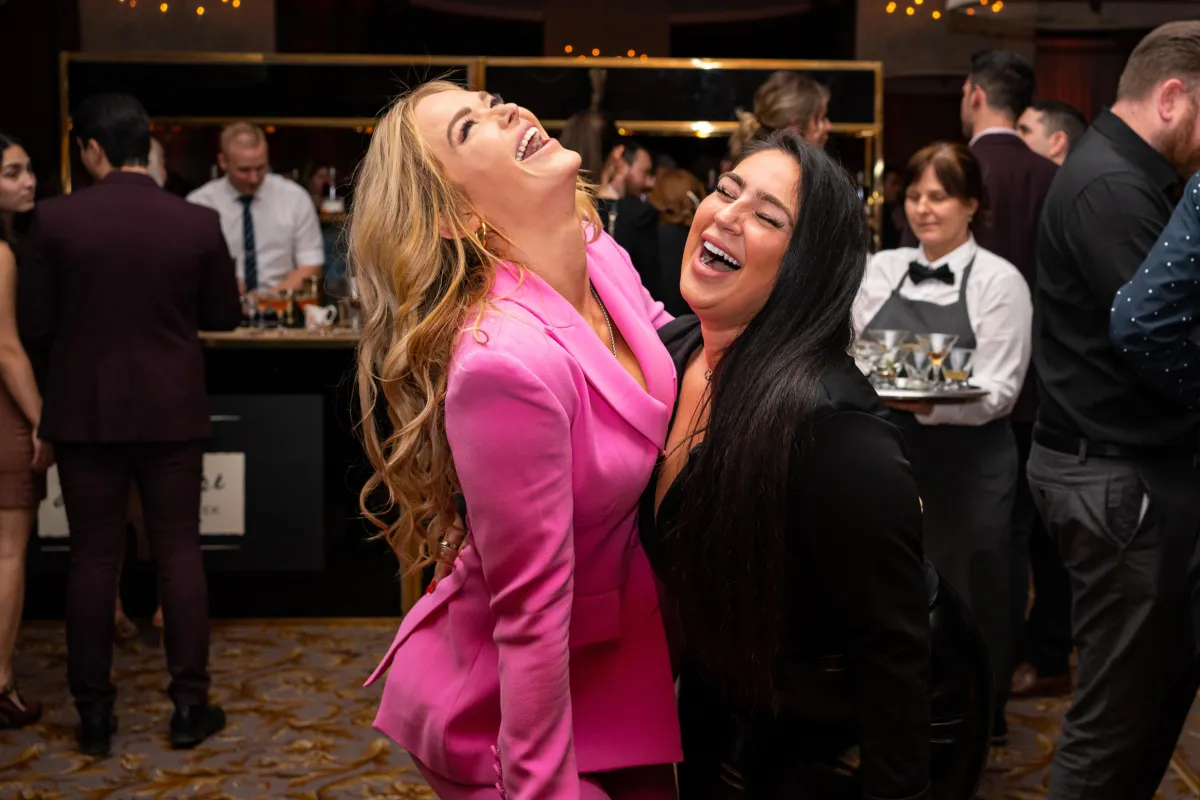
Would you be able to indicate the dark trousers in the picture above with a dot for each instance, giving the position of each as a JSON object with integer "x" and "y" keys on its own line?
{"x": 1126, "y": 531}
{"x": 95, "y": 483}
{"x": 967, "y": 480}
{"x": 1045, "y": 639}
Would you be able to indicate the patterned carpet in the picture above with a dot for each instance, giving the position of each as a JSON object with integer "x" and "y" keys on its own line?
{"x": 300, "y": 725}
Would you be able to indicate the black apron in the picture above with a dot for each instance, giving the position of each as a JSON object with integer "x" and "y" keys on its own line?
{"x": 967, "y": 477}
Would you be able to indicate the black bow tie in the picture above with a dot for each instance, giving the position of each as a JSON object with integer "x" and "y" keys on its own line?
{"x": 918, "y": 272}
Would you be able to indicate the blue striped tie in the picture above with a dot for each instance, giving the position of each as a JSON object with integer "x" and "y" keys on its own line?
{"x": 251, "y": 271}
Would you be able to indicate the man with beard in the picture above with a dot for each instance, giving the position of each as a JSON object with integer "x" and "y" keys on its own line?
{"x": 1114, "y": 462}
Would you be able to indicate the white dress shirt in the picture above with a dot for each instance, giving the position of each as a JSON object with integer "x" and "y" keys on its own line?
{"x": 287, "y": 233}
{"x": 998, "y": 306}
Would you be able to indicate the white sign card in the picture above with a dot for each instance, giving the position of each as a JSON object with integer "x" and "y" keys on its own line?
{"x": 222, "y": 499}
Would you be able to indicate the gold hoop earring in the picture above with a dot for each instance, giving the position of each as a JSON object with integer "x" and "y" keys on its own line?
{"x": 481, "y": 234}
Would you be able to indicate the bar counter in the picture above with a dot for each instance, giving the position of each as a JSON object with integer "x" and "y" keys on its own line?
{"x": 280, "y": 338}
{"x": 280, "y": 524}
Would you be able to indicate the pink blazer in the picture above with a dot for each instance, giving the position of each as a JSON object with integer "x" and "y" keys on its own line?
{"x": 545, "y": 643}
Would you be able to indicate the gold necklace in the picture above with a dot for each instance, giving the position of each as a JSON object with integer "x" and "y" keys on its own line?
{"x": 612, "y": 338}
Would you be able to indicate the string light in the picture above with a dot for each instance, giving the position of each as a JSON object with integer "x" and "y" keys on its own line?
{"x": 163, "y": 8}
{"x": 919, "y": 2}
{"x": 937, "y": 15}
{"x": 970, "y": 12}
{"x": 199, "y": 11}
{"x": 568, "y": 49}
{"x": 645, "y": 57}
{"x": 997, "y": 6}
{"x": 237, "y": 3}
{"x": 910, "y": 11}
{"x": 631, "y": 53}
{"x": 595, "y": 51}
{"x": 891, "y": 8}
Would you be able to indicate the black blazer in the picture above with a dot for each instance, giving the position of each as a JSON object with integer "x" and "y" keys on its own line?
{"x": 115, "y": 283}
{"x": 637, "y": 231}
{"x": 856, "y": 581}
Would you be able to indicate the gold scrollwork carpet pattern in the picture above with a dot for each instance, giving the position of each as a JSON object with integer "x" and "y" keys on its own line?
{"x": 299, "y": 721}
{"x": 300, "y": 725}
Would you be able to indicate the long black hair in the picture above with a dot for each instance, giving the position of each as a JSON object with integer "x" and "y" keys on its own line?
{"x": 12, "y": 225}
{"x": 730, "y": 549}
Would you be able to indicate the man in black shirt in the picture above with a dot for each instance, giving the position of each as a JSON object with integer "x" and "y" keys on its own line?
{"x": 628, "y": 175}
{"x": 1113, "y": 466}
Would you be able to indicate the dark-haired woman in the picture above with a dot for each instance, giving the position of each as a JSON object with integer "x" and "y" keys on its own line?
{"x": 964, "y": 456}
{"x": 784, "y": 519}
{"x": 23, "y": 458}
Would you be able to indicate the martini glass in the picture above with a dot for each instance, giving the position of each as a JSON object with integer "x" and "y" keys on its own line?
{"x": 866, "y": 355}
{"x": 938, "y": 345}
{"x": 918, "y": 366}
{"x": 891, "y": 340}
{"x": 958, "y": 365}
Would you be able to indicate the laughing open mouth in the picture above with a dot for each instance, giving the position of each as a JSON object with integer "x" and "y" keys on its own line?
{"x": 716, "y": 258}
{"x": 531, "y": 142}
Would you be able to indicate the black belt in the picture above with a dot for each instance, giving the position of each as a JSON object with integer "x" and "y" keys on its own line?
{"x": 1086, "y": 449}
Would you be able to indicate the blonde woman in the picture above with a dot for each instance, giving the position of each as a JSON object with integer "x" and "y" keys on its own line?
{"x": 517, "y": 355}
{"x": 786, "y": 101}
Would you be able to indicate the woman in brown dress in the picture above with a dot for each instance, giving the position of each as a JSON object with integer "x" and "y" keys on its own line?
{"x": 23, "y": 458}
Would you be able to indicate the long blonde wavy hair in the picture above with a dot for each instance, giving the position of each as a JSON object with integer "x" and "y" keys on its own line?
{"x": 419, "y": 291}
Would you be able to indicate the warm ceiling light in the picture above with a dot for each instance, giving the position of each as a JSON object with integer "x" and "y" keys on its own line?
{"x": 163, "y": 8}
{"x": 568, "y": 49}
{"x": 910, "y": 11}
{"x": 199, "y": 11}
{"x": 937, "y": 15}
{"x": 595, "y": 51}
{"x": 631, "y": 53}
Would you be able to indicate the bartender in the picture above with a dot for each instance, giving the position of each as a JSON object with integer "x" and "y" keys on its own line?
{"x": 964, "y": 455}
{"x": 269, "y": 222}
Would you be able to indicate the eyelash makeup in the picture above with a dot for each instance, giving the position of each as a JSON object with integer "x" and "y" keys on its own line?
{"x": 470, "y": 123}
{"x": 774, "y": 223}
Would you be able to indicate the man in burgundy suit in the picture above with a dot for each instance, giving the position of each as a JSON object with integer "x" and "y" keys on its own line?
{"x": 997, "y": 90}
{"x": 116, "y": 282}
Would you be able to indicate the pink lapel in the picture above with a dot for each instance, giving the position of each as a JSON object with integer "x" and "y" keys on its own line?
{"x": 647, "y": 412}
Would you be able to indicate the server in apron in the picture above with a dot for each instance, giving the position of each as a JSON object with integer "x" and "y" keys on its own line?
{"x": 964, "y": 456}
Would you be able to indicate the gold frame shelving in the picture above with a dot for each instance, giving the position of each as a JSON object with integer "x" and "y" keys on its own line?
{"x": 871, "y": 132}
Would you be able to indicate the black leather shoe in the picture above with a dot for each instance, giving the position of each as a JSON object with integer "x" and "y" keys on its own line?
{"x": 95, "y": 731}
{"x": 191, "y": 725}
